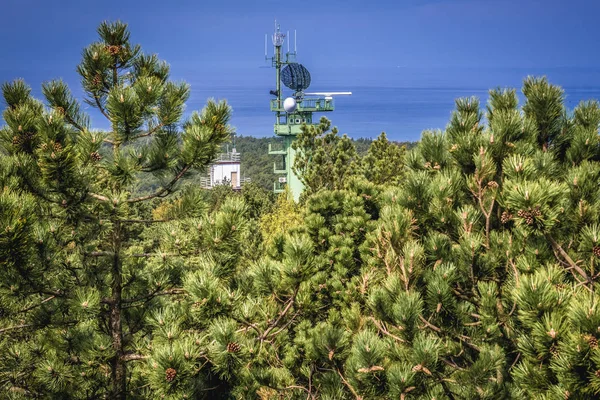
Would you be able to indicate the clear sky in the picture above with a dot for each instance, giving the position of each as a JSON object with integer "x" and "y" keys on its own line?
{"x": 407, "y": 43}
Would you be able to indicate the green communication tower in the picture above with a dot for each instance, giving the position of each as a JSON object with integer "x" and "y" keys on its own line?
{"x": 293, "y": 111}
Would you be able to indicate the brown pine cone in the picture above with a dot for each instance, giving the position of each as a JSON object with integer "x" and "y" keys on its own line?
{"x": 57, "y": 147}
{"x": 233, "y": 347}
{"x": 506, "y": 217}
{"x": 60, "y": 110}
{"x": 493, "y": 184}
{"x": 536, "y": 212}
{"x": 553, "y": 350}
{"x": 97, "y": 80}
{"x": 561, "y": 286}
{"x": 95, "y": 156}
{"x": 113, "y": 50}
{"x": 170, "y": 374}
{"x": 17, "y": 140}
{"x": 596, "y": 251}
{"x": 521, "y": 213}
{"x": 597, "y": 373}
{"x": 591, "y": 341}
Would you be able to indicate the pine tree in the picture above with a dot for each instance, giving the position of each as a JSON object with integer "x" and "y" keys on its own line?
{"x": 384, "y": 162}
{"x": 78, "y": 278}
{"x": 324, "y": 159}
{"x": 474, "y": 277}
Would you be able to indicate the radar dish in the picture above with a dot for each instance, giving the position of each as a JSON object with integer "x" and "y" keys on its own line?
{"x": 296, "y": 77}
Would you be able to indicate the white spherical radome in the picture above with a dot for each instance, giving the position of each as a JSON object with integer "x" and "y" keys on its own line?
{"x": 289, "y": 104}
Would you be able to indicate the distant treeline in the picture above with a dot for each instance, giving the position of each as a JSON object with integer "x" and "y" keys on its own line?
{"x": 257, "y": 164}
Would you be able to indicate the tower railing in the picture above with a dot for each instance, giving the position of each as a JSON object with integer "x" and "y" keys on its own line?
{"x": 228, "y": 157}
{"x": 307, "y": 104}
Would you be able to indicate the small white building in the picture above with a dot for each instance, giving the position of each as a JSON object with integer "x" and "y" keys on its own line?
{"x": 226, "y": 169}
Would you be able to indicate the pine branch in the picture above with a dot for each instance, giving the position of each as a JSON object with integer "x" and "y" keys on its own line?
{"x": 152, "y": 295}
{"x": 164, "y": 189}
{"x": 383, "y": 329}
{"x": 286, "y": 325}
{"x": 147, "y": 255}
{"x": 281, "y": 315}
{"x": 97, "y": 99}
{"x": 150, "y": 132}
{"x": 446, "y": 390}
{"x": 71, "y": 121}
{"x": 10, "y": 328}
{"x": 36, "y": 305}
{"x": 133, "y": 357}
{"x": 144, "y": 221}
{"x": 99, "y": 197}
{"x": 100, "y": 254}
{"x": 348, "y": 385}
{"x": 429, "y": 324}
{"x": 451, "y": 364}
{"x": 568, "y": 259}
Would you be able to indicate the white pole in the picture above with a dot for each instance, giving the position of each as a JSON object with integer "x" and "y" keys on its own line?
{"x": 294, "y": 40}
{"x": 265, "y": 45}
{"x": 288, "y": 38}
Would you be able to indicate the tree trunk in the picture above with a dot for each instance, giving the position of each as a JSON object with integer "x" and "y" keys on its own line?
{"x": 119, "y": 375}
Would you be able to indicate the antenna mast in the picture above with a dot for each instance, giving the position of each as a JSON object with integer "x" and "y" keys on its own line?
{"x": 295, "y": 112}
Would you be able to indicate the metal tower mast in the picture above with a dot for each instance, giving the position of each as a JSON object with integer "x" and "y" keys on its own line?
{"x": 292, "y": 112}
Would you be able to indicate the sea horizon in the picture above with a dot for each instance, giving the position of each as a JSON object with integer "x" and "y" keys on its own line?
{"x": 402, "y": 102}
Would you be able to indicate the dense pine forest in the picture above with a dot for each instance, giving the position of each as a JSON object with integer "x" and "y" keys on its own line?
{"x": 463, "y": 268}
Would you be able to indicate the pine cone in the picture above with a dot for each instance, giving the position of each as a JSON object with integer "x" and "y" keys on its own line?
{"x": 170, "y": 374}
{"x": 597, "y": 373}
{"x": 506, "y": 217}
{"x": 17, "y": 140}
{"x": 493, "y": 184}
{"x": 596, "y": 251}
{"x": 97, "y": 80}
{"x": 233, "y": 347}
{"x": 57, "y": 147}
{"x": 521, "y": 213}
{"x": 113, "y": 50}
{"x": 591, "y": 341}
{"x": 60, "y": 110}
{"x": 536, "y": 212}
{"x": 95, "y": 156}
{"x": 553, "y": 350}
{"x": 561, "y": 286}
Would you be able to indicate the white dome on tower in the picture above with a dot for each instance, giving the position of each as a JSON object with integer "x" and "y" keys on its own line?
{"x": 289, "y": 104}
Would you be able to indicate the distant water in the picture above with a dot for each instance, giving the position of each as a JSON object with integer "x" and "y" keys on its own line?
{"x": 403, "y": 113}
{"x": 400, "y": 101}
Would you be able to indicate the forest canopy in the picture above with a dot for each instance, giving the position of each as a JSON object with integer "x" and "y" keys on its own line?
{"x": 463, "y": 268}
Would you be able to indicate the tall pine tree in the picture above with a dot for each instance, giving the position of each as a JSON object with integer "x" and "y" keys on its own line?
{"x": 78, "y": 279}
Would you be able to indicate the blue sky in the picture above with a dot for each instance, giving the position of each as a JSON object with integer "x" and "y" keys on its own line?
{"x": 406, "y": 43}
{"x": 200, "y": 35}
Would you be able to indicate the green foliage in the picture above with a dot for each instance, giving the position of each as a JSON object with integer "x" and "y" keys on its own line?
{"x": 324, "y": 160}
{"x": 384, "y": 162}
{"x": 465, "y": 268}
{"x": 80, "y": 273}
